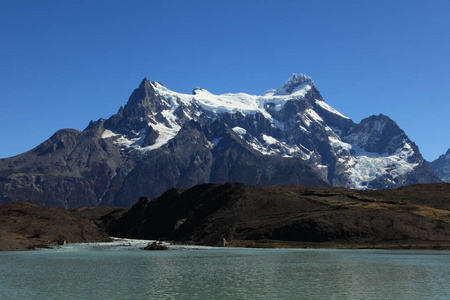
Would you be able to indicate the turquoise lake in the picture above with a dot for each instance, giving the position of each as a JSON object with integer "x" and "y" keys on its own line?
{"x": 121, "y": 271}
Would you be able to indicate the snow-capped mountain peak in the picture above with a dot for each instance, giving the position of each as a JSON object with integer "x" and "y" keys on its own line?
{"x": 154, "y": 110}
{"x": 295, "y": 83}
{"x": 162, "y": 139}
{"x": 441, "y": 166}
{"x": 295, "y": 88}
{"x": 292, "y": 121}
{"x": 155, "y": 95}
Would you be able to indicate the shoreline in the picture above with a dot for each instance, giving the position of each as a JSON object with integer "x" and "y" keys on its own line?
{"x": 277, "y": 244}
{"x": 396, "y": 245}
{"x": 260, "y": 244}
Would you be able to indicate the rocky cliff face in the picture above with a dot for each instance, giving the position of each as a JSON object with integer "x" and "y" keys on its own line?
{"x": 441, "y": 166}
{"x": 162, "y": 139}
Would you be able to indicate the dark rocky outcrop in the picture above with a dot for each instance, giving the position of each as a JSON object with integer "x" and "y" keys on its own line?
{"x": 155, "y": 246}
{"x": 102, "y": 216}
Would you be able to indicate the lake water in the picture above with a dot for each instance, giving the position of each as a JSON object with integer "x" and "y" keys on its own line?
{"x": 110, "y": 271}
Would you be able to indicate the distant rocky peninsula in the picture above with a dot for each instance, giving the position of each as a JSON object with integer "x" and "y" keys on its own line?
{"x": 416, "y": 216}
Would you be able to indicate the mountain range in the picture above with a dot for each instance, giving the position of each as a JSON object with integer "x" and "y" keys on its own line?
{"x": 163, "y": 139}
{"x": 441, "y": 166}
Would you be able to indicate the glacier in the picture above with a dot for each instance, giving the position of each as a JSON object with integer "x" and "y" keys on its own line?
{"x": 300, "y": 125}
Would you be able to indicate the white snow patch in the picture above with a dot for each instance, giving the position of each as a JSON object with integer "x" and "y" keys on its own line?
{"x": 260, "y": 148}
{"x": 108, "y": 133}
{"x": 127, "y": 142}
{"x": 329, "y": 108}
{"x": 239, "y": 130}
{"x": 165, "y": 135}
{"x": 304, "y": 129}
{"x": 269, "y": 140}
{"x": 338, "y": 144}
{"x": 314, "y": 115}
{"x": 306, "y": 120}
{"x": 366, "y": 166}
{"x": 271, "y": 146}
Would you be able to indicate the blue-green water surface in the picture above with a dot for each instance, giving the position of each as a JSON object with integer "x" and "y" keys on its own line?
{"x": 96, "y": 272}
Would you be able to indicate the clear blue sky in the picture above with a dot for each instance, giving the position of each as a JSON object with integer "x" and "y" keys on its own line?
{"x": 64, "y": 63}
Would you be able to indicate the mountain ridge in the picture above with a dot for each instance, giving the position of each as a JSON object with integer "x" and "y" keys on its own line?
{"x": 441, "y": 166}
{"x": 162, "y": 139}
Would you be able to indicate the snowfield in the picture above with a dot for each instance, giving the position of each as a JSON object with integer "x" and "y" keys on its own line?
{"x": 362, "y": 166}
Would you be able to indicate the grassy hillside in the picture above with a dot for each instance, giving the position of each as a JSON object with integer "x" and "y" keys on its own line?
{"x": 24, "y": 226}
{"x": 415, "y": 216}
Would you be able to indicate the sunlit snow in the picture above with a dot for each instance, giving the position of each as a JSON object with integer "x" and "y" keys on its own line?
{"x": 269, "y": 139}
{"x": 165, "y": 135}
{"x": 329, "y": 108}
{"x": 239, "y": 130}
{"x": 364, "y": 167}
{"x": 314, "y": 115}
{"x": 235, "y": 102}
{"x": 108, "y": 133}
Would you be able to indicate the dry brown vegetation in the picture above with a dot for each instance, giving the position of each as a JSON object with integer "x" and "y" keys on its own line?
{"x": 25, "y": 226}
{"x": 296, "y": 216}
{"x": 415, "y": 216}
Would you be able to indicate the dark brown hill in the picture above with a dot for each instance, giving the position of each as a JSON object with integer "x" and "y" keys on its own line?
{"x": 416, "y": 215}
{"x": 436, "y": 195}
{"x": 24, "y": 226}
{"x": 287, "y": 216}
{"x": 102, "y": 216}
